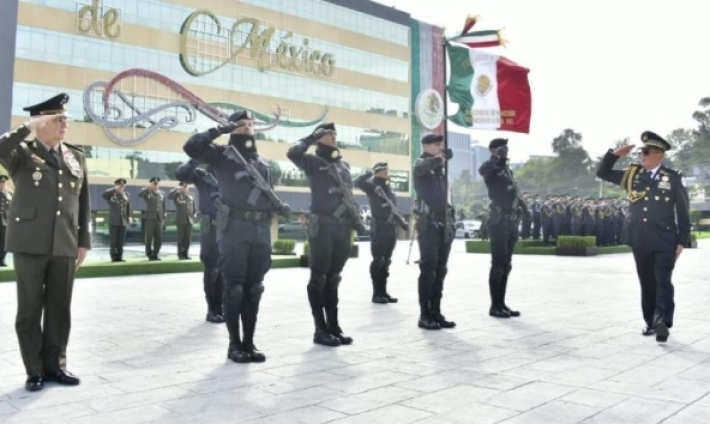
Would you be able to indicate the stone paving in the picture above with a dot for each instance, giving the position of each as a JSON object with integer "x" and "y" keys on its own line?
{"x": 145, "y": 354}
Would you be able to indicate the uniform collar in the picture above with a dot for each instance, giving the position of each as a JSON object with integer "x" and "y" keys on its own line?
{"x": 57, "y": 148}
{"x": 654, "y": 171}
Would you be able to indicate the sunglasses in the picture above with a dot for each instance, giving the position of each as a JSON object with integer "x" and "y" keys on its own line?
{"x": 647, "y": 152}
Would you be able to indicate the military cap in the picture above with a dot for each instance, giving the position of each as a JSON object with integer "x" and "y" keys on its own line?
{"x": 652, "y": 139}
{"x": 328, "y": 126}
{"x": 432, "y": 138}
{"x": 240, "y": 115}
{"x": 120, "y": 181}
{"x": 498, "y": 142}
{"x": 53, "y": 106}
{"x": 380, "y": 166}
{"x": 154, "y": 180}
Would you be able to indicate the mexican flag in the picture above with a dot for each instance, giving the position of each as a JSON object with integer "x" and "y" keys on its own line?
{"x": 492, "y": 92}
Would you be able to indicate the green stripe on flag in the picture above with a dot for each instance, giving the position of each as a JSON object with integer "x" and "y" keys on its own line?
{"x": 461, "y": 76}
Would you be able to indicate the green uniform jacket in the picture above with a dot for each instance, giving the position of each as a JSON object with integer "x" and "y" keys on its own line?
{"x": 5, "y": 203}
{"x": 119, "y": 210}
{"x": 50, "y": 213}
{"x": 184, "y": 206}
{"x": 154, "y": 203}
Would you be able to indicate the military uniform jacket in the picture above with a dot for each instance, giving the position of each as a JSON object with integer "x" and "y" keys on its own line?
{"x": 119, "y": 207}
{"x": 154, "y": 203}
{"x": 50, "y": 212}
{"x": 379, "y": 207}
{"x": 184, "y": 206}
{"x": 501, "y": 184}
{"x": 658, "y": 218}
{"x": 5, "y": 203}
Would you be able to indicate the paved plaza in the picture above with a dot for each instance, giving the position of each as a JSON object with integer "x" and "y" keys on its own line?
{"x": 145, "y": 353}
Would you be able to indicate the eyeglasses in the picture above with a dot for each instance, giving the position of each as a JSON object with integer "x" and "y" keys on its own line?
{"x": 646, "y": 152}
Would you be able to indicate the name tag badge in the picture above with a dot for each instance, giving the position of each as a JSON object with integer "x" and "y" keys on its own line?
{"x": 664, "y": 185}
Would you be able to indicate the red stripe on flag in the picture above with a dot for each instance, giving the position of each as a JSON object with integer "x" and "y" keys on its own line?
{"x": 514, "y": 96}
{"x": 478, "y": 44}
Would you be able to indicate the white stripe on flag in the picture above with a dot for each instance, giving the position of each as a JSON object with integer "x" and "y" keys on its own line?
{"x": 476, "y": 39}
{"x": 484, "y": 89}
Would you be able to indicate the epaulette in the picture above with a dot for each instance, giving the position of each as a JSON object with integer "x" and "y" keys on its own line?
{"x": 73, "y": 147}
{"x": 629, "y": 174}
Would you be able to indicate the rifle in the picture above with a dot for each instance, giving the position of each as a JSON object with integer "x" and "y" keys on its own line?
{"x": 348, "y": 199}
{"x": 414, "y": 233}
{"x": 393, "y": 209}
{"x": 259, "y": 183}
{"x": 222, "y": 218}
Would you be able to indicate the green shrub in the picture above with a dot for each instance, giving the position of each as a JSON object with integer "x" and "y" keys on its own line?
{"x": 306, "y": 248}
{"x": 284, "y": 247}
{"x": 576, "y": 241}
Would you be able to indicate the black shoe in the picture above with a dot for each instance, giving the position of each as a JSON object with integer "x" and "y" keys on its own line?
{"x": 510, "y": 311}
{"x": 443, "y": 323}
{"x": 344, "y": 340}
{"x": 156, "y": 258}
{"x": 120, "y": 260}
{"x": 498, "y": 312}
{"x": 662, "y": 332}
{"x": 152, "y": 258}
{"x": 62, "y": 377}
{"x": 427, "y": 323}
{"x": 238, "y": 355}
{"x": 324, "y": 338}
{"x": 187, "y": 258}
{"x": 389, "y": 298}
{"x": 3, "y": 263}
{"x": 34, "y": 384}
{"x": 648, "y": 331}
{"x": 379, "y": 299}
{"x": 213, "y": 317}
{"x": 254, "y": 353}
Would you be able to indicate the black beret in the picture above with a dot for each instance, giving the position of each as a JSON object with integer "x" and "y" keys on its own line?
{"x": 497, "y": 142}
{"x": 652, "y": 139}
{"x": 154, "y": 180}
{"x": 52, "y": 106}
{"x": 120, "y": 181}
{"x": 328, "y": 126}
{"x": 240, "y": 115}
{"x": 379, "y": 166}
{"x": 432, "y": 138}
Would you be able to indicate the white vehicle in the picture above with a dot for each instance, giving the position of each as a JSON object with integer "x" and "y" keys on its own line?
{"x": 468, "y": 229}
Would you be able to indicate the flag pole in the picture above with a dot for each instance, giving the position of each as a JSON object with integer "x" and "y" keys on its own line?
{"x": 446, "y": 129}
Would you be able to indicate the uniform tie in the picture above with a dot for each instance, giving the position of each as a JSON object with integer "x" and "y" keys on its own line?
{"x": 55, "y": 157}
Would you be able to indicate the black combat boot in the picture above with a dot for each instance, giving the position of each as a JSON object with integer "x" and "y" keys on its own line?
{"x": 377, "y": 292}
{"x": 249, "y": 322}
{"x": 334, "y": 327}
{"x": 425, "y": 320}
{"x": 385, "y": 276}
{"x": 494, "y": 285}
{"x": 236, "y": 352}
{"x": 438, "y": 317}
{"x": 503, "y": 288}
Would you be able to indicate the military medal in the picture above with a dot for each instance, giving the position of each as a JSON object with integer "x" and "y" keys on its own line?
{"x": 248, "y": 144}
{"x": 37, "y": 176}
{"x": 664, "y": 178}
{"x": 36, "y": 158}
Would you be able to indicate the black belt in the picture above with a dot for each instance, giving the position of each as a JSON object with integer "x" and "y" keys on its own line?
{"x": 329, "y": 219}
{"x": 250, "y": 215}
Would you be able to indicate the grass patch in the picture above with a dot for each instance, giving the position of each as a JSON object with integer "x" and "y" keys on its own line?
{"x": 141, "y": 266}
{"x": 531, "y": 247}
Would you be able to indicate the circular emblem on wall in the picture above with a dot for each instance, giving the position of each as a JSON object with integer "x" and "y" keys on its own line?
{"x": 429, "y": 108}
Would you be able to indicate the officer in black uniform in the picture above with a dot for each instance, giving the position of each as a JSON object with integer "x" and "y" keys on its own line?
{"x": 656, "y": 227}
{"x": 536, "y": 210}
{"x": 526, "y": 223}
{"x": 207, "y": 187}
{"x": 244, "y": 226}
{"x": 507, "y": 207}
{"x": 435, "y": 228}
{"x": 333, "y": 217}
{"x": 5, "y": 203}
{"x": 119, "y": 217}
{"x": 383, "y": 227}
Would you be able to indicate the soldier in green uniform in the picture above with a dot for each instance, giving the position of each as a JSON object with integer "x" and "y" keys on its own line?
{"x": 153, "y": 217}
{"x": 48, "y": 235}
{"x": 119, "y": 213}
{"x": 5, "y": 202}
{"x": 184, "y": 217}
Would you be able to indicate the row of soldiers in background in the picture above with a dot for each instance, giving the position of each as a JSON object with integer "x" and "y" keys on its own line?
{"x": 567, "y": 216}
{"x": 153, "y": 217}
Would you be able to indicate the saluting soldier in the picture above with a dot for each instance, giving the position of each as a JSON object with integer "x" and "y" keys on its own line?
{"x": 243, "y": 225}
{"x": 383, "y": 227}
{"x": 5, "y": 203}
{"x": 48, "y": 235}
{"x": 153, "y": 218}
{"x": 119, "y": 217}
{"x": 184, "y": 217}
{"x": 577, "y": 212}
{"x": 205, "y": 182}
{"x": 526, "y": 222}
{"x": 333, "y": 217}
{"x": 588, "y": 212}
{"x": 536, "y": 209}
{"x": 507, "y": 207}
{"x": 435, "y": 230}
{"x": 547, "y": 213}
{"x": 657, "y": 225}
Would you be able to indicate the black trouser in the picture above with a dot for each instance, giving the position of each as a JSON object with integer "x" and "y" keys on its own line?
{"x": 245, "y": 248}
{"x": 655, "y": 270}
{"x": 525, "y": 229}
{"x": 588, "y": 229}
{"x": 557, "y": 229}
{"x": 434, "y": 250}
{"x": 576, "y": 229}
{"x": 599, "y": 231}
{"x": 383, "y": 239}
{"x": 153, "y": 229}
{"x": 3, "y": 252}
{"x": 504, "y": 236}
{"x": 184, "y": 238}
{"x": 330, "y": 249}
{"x": 117, "y": 234}
{"x": 547, "y": 231}
{"x": 536, "y": 226}
{"x": 44, "y": 287}
{"x": 209, "y": 256}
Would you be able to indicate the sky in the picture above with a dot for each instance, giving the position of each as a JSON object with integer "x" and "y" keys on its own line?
{"x": 607, "y": 69}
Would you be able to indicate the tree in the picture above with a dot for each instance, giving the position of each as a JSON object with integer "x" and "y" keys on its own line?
{"x": 681, "y": 155}
{"x": 701, "y": 144}
{"x": 567, "y": 139}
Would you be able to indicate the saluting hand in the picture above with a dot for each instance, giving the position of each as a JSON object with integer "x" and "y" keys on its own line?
{"x": 80, "y": 256}
{"x": 623, "y": 151}
{"x": 40, "y": 121}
